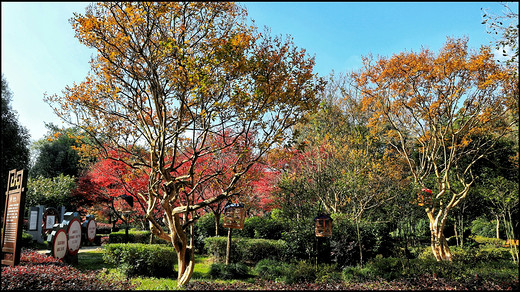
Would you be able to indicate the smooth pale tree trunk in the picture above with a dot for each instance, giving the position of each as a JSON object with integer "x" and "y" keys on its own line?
{"x": 498, "y": 226}
{"x": 185, "y": 253}
{"x": 439, "y": 245}
{"x": 217, "y": 222}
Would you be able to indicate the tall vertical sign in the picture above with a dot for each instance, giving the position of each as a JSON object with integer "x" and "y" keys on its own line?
{"x": 13, "y": 217}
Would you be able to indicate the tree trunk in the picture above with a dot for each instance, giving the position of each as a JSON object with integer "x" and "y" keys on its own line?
{"x": 359, "y": 244}
{"x": 228, "y": 249}
{"x": 217, "y": 222}
{"x": 440, "y": 247}
{"x": 185, "y": 259}
{"x": 498, "y": 226}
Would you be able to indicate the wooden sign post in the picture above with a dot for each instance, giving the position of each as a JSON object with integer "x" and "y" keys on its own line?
{"x": 13, "y": 217}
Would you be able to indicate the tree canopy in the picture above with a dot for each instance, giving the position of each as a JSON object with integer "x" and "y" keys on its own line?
{"x": 14, "y": 138}
{"x": 167, "y": 77}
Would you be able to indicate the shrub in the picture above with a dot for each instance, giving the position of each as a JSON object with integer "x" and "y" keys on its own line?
{"x": 203, "y": 228}
{"x": 328, "y": 274}
{"x": 375, "y": 239}
{"x": 301, "y": 272}
{"x": 387, "y": 268}
{"x": 134, "y": 236}
{"x": 141, "y": 259}
{"x": 254, "y": 250}
{"x": 300, "y": 239}
{"x": 245, "y": 249}
{"x": 357, "y": 274}
{"x": 216, "y": 247}
{"x": 227, "y": 272}
{"x": 488, "y": 240}
{"x": 41, "y": 272}
{"x": 271, "y": 270}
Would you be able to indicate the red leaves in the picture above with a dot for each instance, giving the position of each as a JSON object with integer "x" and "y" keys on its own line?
{"x": 40, "y": 272}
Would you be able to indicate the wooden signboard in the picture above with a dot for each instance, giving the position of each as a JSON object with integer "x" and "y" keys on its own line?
{"x": 13, "y": 217}
{"x": 234, "y": 215}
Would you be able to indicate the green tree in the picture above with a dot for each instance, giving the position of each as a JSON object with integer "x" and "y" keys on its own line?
{"x": 14, "y": 138}
{"x": 56, "y": 154}
{"x": 51, "y": 192}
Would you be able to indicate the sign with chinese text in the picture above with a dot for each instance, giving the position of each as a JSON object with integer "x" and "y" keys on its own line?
{"x": 13, "y": 217}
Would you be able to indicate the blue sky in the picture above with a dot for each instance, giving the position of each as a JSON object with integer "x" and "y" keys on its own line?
{"x": 40, "y": 54}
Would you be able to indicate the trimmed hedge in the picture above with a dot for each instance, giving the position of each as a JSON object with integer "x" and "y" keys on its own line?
{"x": 134, "y": 236}
{"x": 141, "y": 259}
{"x": 245, "y": 250}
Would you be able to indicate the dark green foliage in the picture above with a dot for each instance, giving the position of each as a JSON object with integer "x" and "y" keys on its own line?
{"x": 245, "y": 250}
{"x": 203, "y": 228}
{"x": 14, "y": 138}
{"x": 489, "y": 263}
{"x": 134, "y": 259}
{"x": 328, "y": 274}
{"x": 58, "y": 156}
{"x": 375, "y": 239}
{"x": 134, "y": 236}
{"x": 271, "y": 270}
{"x": 297, "y": 272}
{"x": 227, "y": 272}
{"x": 262, "y": 227}
{"x": 300, "y": 272}
{"x": 216, "y": 247}
{"x": 483, "y": 227}
{"x": 300, "y": 239}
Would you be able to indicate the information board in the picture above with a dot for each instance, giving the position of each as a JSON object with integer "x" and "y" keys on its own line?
{"x": 13, "y": 217}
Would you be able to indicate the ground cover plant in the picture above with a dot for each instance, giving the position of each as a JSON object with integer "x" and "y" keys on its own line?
{"x": 41, "y": 272}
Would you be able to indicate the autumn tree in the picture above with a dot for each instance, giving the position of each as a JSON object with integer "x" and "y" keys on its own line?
{"x": 167, "y": 77}
{"x": 442, "y": 113}
{"x": 108, "y": 181}
{"x": 220, "y": 163}
{"x": 342, "y": 165}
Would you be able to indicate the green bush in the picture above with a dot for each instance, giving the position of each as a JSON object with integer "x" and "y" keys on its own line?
{"x": 134, "y": 236}
{"x": 488, "y": 240}
{"x": 328, "y": 274}
{"x": 272, "y": 270}
{"x": 387, "y": 268}
{"x": 141, "y": 259}
{"x": 375, "y": 239}
{"x": 254, "y": 250}
{"x": 216, "y": 247}
{"x": 300, "y": 239}
{"x": 357, "y": 274}
{"x": 203, "y": 228}
{"x": 300, "y": 272}
{"x": 228, "y": 272}
{"x": 245, "y": 250}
